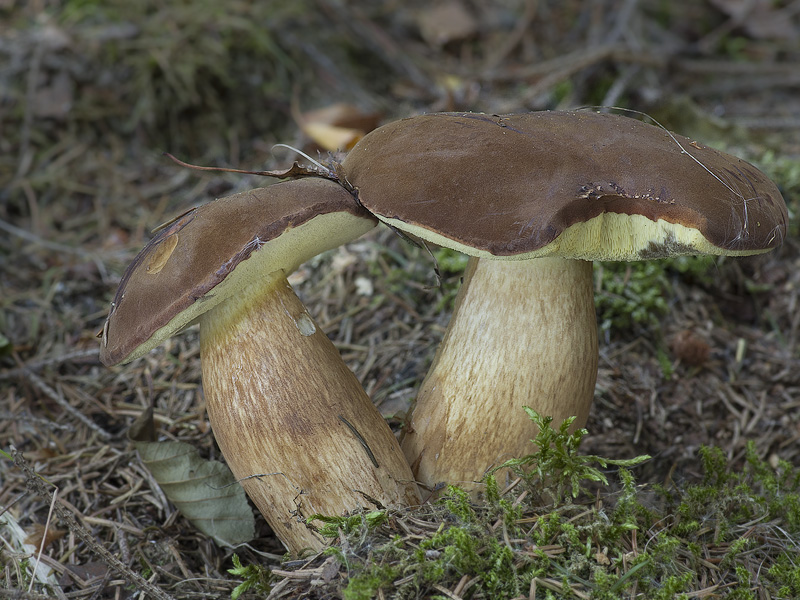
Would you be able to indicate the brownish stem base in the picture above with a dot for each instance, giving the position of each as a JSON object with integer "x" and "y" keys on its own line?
{"x": 523, "y": 334}
{"x": 293, "y": 422}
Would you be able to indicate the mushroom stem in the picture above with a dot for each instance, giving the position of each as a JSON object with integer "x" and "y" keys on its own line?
{"x": 293, "y": 422}
{"x": 522, "y": 333}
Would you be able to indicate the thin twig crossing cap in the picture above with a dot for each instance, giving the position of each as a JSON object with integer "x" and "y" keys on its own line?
{"x": 573, "y": 184}
{"x": 209, "y": 253}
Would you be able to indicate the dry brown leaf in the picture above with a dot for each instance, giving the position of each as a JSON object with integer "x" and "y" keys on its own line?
{"x": 332, "y": 138}
{"x": 446, "y": 22}
{"x": 86, "y": 572}
{"x": 336, "y": 127}
{"x": 344, "y": 115}
{"x": 39, "y": 532}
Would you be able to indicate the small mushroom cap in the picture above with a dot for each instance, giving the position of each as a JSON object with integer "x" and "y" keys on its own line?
{"x": 573, "y": 184}
{"x": 209, "y": 253}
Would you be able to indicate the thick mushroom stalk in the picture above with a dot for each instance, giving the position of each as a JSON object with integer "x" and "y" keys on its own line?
{"x": 505, "y": 347}
{"x": 293, "y": 422}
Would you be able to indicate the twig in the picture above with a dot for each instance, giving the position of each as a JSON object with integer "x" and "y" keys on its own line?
{"x": 39, "y": 241}
{"x": 788, "y": 122}
{"x": 52, "y": 360}
{"x": 11, "y": 504}
{"x": 44, "y": 540}
{"x": 568, "y": 63}
{"x": 100, "y": 588}
{"x": 56, "y": 247}
{"x": 58, "y": 399}
{"x": 579, "y": 61}
{"x": 446, "y": 592}
{"x": 500, "y": 54}
{"x": 348, "y": 15}
{"x": 622, "y": 22}
{"x": 620, "y": 85}
{"x": 622, "y": 54}
{"x": 555, "y": 71}
{"x": 35, "y": 484}
{"x": 22, "y": 595}
{"x": 325, "y": 64}
{"x": 25, "y": 155}
{"x": 27, "y": 418}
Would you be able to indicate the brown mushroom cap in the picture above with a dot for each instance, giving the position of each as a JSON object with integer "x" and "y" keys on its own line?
{"x": 209, "y": 253}
{"x": 573, "y": 184}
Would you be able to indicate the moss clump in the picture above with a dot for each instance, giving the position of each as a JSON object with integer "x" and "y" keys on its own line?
{"x": 571, "y": 527}
{"x": 427, "y": 269}
{"x": 786, "y": 172}
{"x": 181, "y": 69}
{"x": 361, "y": 523}
{"x": 254, "y": 578}
{"x": 637, "y": 294}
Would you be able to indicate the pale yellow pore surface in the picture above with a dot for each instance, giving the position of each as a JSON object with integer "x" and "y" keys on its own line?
{"x": 285, "y": 252}
{"x": 608, "y": 236}
{"x": 522, "y": 333}
{"x": 280, "y": 398}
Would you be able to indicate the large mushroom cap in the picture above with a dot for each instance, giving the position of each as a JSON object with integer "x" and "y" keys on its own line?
{"x": 575, "y": 184}
{"x": 209, "y": 253}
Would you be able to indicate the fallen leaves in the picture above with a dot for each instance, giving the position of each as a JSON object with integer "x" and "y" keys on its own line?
{"x": 336, "y": 127}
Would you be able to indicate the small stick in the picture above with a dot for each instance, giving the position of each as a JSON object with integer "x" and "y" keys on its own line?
{"x": 44, "y": 540}
{"x": 58, "y": 399}
{"x": 35, "y": 365}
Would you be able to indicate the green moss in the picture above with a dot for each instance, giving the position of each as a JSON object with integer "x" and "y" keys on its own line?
{"x": 365, "y": 586}
{"x": 743, "y": 590}
{"x": 255, "y": 578}
{"x": 636, "y": 294}
{"x": 458, "y": 503}
{"x": 450, "y": 262}
{"x": 355, "y": 524}
{"x": 181, "y": 71}
{"x": 785, "y": 575}
{"x": 581, "y": 524}
{"x": 557, "y": 462}
{"x": 785, "y": 172}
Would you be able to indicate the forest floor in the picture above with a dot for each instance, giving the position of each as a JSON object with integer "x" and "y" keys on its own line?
{"x": 92, "y": 94}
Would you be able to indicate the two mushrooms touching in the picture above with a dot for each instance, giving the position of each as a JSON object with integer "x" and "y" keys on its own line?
{"x": 531, "y": 198}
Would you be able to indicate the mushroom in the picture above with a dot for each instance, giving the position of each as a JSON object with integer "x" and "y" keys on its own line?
{"x": 533, "y": 199}
{"x": 293, "y": 422}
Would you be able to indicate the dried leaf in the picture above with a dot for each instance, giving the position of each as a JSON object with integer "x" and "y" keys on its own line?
{"x": 205, "y": 492}
{"x": 336, "y": 127}
{"x": 85, "y": 572}
{"x": 344, "y": 115}
{"x": 39, "y": 533}
{"x": 446, "y": 22}
{"x": 332, "y": 138}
